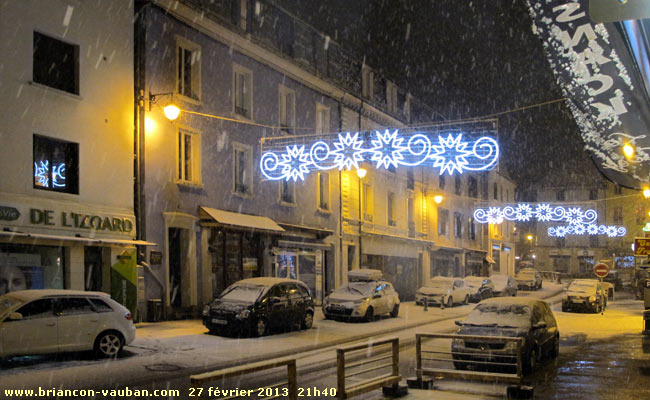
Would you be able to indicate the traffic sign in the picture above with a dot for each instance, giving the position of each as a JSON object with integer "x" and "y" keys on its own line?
{"x": 601, "y": 270}
{"x": 642, "y": 246}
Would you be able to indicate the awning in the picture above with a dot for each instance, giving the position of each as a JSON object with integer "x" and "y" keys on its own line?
{"x": 243, "y": 220}
{"x": 490, "y": 260}
{"x": 304, "y": 245}
{"x": 125, "y": 242}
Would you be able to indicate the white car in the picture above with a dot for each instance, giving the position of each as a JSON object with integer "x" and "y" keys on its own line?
{"x": 53, "y": 321}
{"x": 444, "y": 290}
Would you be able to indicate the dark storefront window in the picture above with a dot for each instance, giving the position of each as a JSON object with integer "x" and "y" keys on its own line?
{"x": 31, "y": 267}
{"x": 235, "y": 256}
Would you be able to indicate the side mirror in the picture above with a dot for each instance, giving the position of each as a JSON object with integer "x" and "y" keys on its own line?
{"x": 15, "y": 316}
{"x": 540, "y": 325}
{"x": 376, "y": 296}
{"x": 458, "y": 322}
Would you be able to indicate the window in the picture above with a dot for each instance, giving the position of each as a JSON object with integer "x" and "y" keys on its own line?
{"x": 100, "y": 305}
{"x": 411, "y": 217}
{"x": 368, "y": 202}
{"x": 56, "y": 165}
{"x": 391, "y": 209}
{"x": 410, "y": 179}
{"x": 472, "y": 187}
{"x": 443, "y": 221}
{"x": 243, "y": 90}
{"x": 55, "y": 63}
{"x": 287, "y": 109}
{"x": 74, "y": 306}
{"x": 322, "y": 118}
{"x": 441, "y": 181}
{"x": 407, "y": 108}
{"x": 41, "y": 308}
{"x": 287, "y": 192}
{"x": 560, "y": 242}
{"x": 240, "y": 13}
{"x": 242, "y": 169}
{"x": 471, "y": 229}
{"x": 367, "y": 82}
{"x": 640, "y": 215}
{"x": 391, "y": 97}
{"x": 593, "y": 241}
{"x": 323, "y": 191}
{"x": 458, "y": 225}
{"x": 496, "y": 191}
{"x": 484, "y": 187}
{"x": 560, "y": 195}
{"x": 458, "y": 184}
{"x": 501, "y": 191}
{"x": 189, "y": 157}
{"x": 188, "y": 69}
{"x": 593, "y": 194}
{"x": 618, "y": 215}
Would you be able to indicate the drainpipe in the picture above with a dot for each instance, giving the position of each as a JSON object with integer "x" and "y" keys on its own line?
{"x": 340, "y": 203}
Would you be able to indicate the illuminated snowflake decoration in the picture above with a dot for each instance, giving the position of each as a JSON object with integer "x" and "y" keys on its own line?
{"x": 387, "y": 149}
{"x": 544, "y": 212}
{"x": 348, "y": 153}
{"x": 574, "y": 216}
{"x": 494, "y": 215}
{"x": 294, "y": 163}
{"x": 450, "y": 154}
{"x": 580, "y": 229}
{"x": 523, "y": 212}
{"x": 591, "y": 229}
{"x": 42, "y": 172}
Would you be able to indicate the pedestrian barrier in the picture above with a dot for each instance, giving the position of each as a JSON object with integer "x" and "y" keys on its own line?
{"x": 368, "y": 353}
{"x": 443, "y": 362}
{"x": 290, "y": 389}
{"x": 552, "y": 276}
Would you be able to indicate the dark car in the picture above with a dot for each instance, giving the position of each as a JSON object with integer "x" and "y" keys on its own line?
{"x": 504, "y": 285}
{"x": 528, "y": 318}
{"x": 482, "y": 288}
{"x": 253, "y": 306}
{"x": 584, "y": 294}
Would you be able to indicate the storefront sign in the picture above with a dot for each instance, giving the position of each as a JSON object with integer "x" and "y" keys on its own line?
{"x": 9, "y": 213}
{"x": 79, "y": 220}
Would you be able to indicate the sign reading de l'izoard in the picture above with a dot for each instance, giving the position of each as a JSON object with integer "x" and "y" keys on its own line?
{"x": 599, "y": 80}
{"x": 79, "y": 221}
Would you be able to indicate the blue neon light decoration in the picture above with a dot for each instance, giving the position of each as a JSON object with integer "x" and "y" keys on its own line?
{"x": 449, "y": 150}
{"x": 43, "y": 173}
{"x": 524, "y": 212}
{"x": 590, "y": 229}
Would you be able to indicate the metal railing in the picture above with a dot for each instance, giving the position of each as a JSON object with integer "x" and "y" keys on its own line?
{"x": 274, "y": 391}
{"x": 552, "y": 276}
{"x": 483, "y": 359}
{"x": 367, "y": 353}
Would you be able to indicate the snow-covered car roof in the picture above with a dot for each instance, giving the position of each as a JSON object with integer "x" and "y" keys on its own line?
{"x": 524, "y": 301}
{"x": 364, "y": 275}
{"x": 476, "y": 280}
{"x": 585, "y": 281}
{"x": 267, "y": 281}
{"x": 32, "y": 294}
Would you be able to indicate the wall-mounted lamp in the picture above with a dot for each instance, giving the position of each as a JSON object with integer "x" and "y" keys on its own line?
{"x": 438, "y": 198}
{"x": 361, "y": 172}
{"x": 171, "y": 110}
{"x": 628, "y": 151}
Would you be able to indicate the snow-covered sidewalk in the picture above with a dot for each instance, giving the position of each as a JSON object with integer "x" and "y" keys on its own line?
{"x": 175, "y": 348}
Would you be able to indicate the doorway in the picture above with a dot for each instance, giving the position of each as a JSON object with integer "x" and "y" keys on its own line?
{"x": 174, "y": 256}
{"x": 93, "y": 268}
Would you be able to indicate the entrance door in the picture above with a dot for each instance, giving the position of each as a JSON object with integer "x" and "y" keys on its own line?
{"x": 286, "y": 265}
{"x": 93, "y": 268}
{"x": 175, "y": 246}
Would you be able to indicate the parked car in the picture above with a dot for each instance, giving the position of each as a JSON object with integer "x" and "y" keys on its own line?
{"x": 254, "y": 306}
{"x": 529, "y": 278}
{"x": 528, "y": 318}
{"x": 504, "y": 285}
{"x": 584, "y": 294}
{"x": 53, "y": 321}
{"x": 481, "y": 288}
{"x": 444, "y": 290}
{"x": 365, "y": 296}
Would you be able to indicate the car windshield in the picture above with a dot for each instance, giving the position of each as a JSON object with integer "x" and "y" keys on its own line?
{"x": 526, "y": 274}
{"x": 243, "y": 293}
{"x": 501, "y": 315}
{"x": 6, "y": 303}
{"x": 439, "y": 284}
{"x": 360, "y": 288}
{"x": 583, "y": 287}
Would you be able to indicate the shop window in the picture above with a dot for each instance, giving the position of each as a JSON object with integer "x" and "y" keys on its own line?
{"x": 242, "y": 169}
{"x": 323, "y": 191}
{"x": 30, "y": 267}
{"x": 56, "y": 165}
{"x": 188, "y": 69}
{"x": 189, "y": 157}
{"x": 243, "y": 90}
{"x": 287, "y": 192}
{"x": 322, "y": 118}
{"x": 287, "y": 110}
{"x": 55, "y": 63}
{"x": 458, "y": 185}
{"x": 443, "y": 221}
{"x": 458, "y": 225}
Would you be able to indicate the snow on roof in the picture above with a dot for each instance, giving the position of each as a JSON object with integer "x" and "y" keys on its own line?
{"x": 268, "y": 281}
{"x": 524, "y": 301}
{"x": 364, "y": 274}
{"x": 28, "y": 295}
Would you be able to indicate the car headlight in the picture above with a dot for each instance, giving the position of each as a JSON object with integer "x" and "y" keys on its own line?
{"x": 243, "y": 314}
{"x": 206, "y": 310}
{"x": 457, "y": 342}
{"x": 512, "y": 345}
{"x": 364, "y": 300}
{"x": 592, "y": 299}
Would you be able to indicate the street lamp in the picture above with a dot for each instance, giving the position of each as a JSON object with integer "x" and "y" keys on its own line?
{"x": 361, "y": 173}
{"x": 171, "y": 110}
{"x": 628, "y": 151}
{"x": 438, "y": 198}
{"x": 646, "y": 193}
{"x": 530, "y": 238}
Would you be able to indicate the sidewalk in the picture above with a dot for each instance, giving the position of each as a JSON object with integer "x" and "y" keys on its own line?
{"x": 178, "y": 348}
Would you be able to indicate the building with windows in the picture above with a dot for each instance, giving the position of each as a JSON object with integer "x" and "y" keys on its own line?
{"x": 66, "y": 192}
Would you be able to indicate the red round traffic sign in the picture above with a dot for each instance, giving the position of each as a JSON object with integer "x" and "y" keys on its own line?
{"x": 601, "y": 270}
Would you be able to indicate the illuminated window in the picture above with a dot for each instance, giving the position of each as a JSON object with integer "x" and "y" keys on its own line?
{"x": 55, "y": 63}
{"x": 322, "y": 118}
{"x": 188, "y": 156}
{"x": 56, "y": 165}
{"x": 243, "y": 90}
{"x": 242, "y": 169}
{"x": 287, "y": 109}
{"x": 188, "y": 69}
{"x": 323, "y": 191}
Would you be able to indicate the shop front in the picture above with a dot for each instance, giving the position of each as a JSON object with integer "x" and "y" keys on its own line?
{"x": 446, "y": 262}
{"x": 475, "y": 263}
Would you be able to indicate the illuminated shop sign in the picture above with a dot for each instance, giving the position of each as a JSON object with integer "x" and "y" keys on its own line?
{"x": 449, "y": 150}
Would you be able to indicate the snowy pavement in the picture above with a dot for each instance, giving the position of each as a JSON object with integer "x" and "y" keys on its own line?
{"x": 174, "y": 348}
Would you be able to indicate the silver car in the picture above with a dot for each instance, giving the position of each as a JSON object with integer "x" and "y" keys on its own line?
{"x": 362, "y": 300}
{"x": 444, "y": 290}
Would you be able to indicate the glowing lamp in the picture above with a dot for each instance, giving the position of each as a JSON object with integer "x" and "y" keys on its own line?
{"x": 646, "y": 193}
{"x": 171, "y": 111}
{"x": 628, "y": 151}
{"x": 529, "y": 237}
{"x": 438, "y": 199}
{"x": 361, "y": 172}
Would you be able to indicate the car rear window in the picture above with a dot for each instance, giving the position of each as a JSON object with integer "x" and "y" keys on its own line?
{"x": 74, "y": 306}
{"x": 100, "y": 305}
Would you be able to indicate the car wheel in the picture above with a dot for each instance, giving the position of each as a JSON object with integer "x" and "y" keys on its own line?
{"x": 260, "y": 328}
{"x": 466, "y": 301}
{"x": 531, "y": 361}
{"x": 555, "y": 351}
{"x": 109, "y": 344}
{"x": 450, "y": 302}
{"x": 395, "y": 311}
{"x": 307, "y": 320}
{"x": 370, "y": 314}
